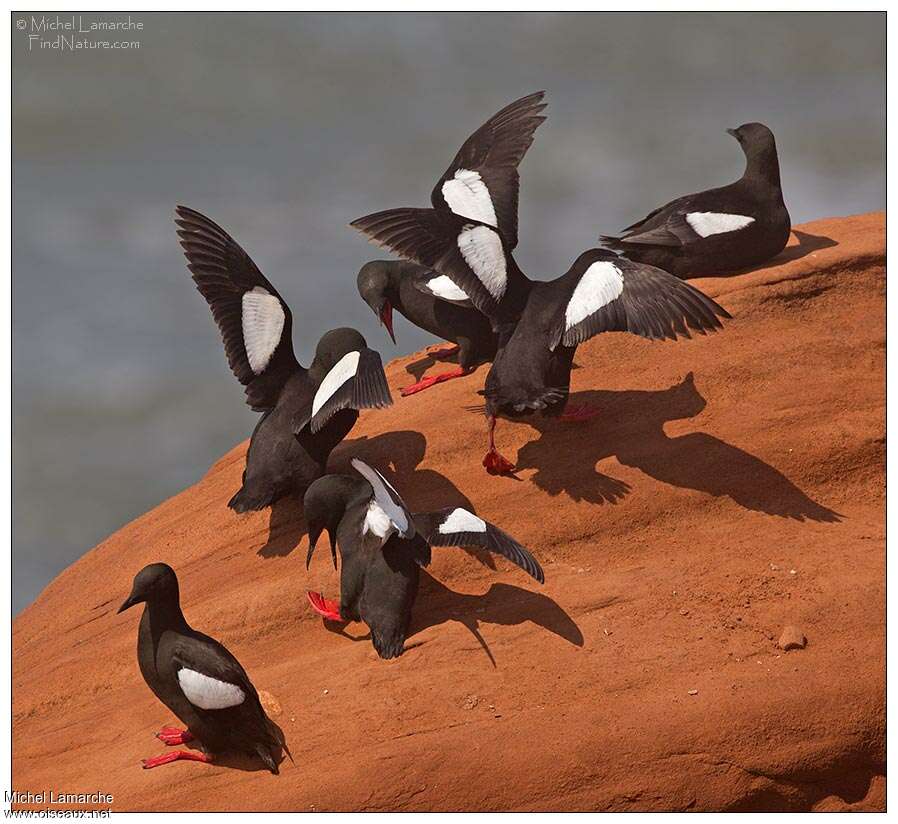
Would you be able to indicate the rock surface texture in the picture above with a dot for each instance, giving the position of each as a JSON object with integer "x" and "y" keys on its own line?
{"x": 731, "y": 486}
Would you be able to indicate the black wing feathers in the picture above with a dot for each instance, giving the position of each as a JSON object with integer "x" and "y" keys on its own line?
{"x": 223, "y": 273}
{"x": 430, "y": 237}
{"x": 366, "y": 389}
{"x": 494, "y": 151}
{"x": 491, "y": 538}
{"x": 653, "y": 304}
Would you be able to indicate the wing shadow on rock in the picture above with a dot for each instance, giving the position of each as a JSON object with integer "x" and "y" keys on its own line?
{"x": 630, "y": 428}
{"x": 502, "y": 604}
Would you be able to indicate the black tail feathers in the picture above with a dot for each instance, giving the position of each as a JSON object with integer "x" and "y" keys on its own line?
{"x": 246, "y": 501}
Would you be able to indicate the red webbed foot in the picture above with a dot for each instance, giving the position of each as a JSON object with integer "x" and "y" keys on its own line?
{"x": 496, "y": 464}
{"x": 432, "y": 380}
{"x": 177, "y": 755}
{"x": 443, "y": 353}
{"x": 172, "y": 736}
{"x": 579, "y": 412}
{"x": 326, "y": 609}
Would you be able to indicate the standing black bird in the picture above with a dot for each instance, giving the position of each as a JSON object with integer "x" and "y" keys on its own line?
{"x": 482, "y": 182}
{"x": 197, "y": 679}
{"x": 719, "y": 230}
{"x": 539, "y": 324}
{"x": 307, "y": 412}
{"x": 433, "y": 302}
{"x": 382, "y": 544}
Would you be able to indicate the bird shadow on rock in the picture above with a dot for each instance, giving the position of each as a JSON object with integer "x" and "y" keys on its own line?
{"x": 286, "y": 527}
{"x": 502, "y": 604}
{"x": 242, "y": 761}
{"x": 807, "y": 243}
{"x": 398, "y": 456}
{"x": 630, "y": 428}
{"x": 417, "y": 369}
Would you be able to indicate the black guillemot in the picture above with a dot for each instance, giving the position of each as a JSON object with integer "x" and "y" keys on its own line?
{"x": 719, "y": 230}
{"x": 381, "y": 546}
{"x": 307, "y": 412}
{"x": 198, "y": 680}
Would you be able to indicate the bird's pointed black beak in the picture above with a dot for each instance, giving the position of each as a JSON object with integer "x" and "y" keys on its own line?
{"x": 733, "y": 133}
{"x": 130, "y": 601}
{"x": 315, "y": 531}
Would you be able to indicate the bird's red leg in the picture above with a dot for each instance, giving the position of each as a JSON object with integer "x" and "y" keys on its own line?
{"x": 177, "y": 755}
{"x": 579, "y": 412}
{"x": 495, "y": 463}
{"x": 325, "y": 608}
{"x": 443, "y": 353}
{"x": 172, "y": 736}
{"x": 432, "y": 380}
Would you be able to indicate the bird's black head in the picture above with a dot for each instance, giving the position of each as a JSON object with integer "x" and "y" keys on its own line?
{"x": 324, "y": 504}
{"x": 156, "y": 583}
{"x": 756, "y": 140}
{"x": 374, "y": 286}
{"x": 334, "y": 345}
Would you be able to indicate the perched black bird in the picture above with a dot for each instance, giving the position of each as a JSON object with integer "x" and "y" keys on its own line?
{"x": 538, "y": 324}
{"x": 307, "y": 412}
{"x": 382, "y": 544}
{"x": 197, "y": 679}
{"x": 719, "y": 230}
{"x": 433, "y": 302}
{"x": 481, "y": 182}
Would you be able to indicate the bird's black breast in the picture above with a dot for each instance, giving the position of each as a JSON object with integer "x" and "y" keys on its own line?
{"x": 159, "y": 671}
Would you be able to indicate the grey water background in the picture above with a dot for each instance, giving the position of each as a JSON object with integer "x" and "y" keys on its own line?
{"x": 285, "y": 127}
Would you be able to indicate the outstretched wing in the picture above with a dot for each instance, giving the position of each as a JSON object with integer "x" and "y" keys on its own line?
{"x": 255, "y": 322}
{"x": 356, "y": 381}
{"x": 607, "y": 293}
{"x": 482, "y": 181}
{"x": 387, "y": 499}
{"x": 455, "y": 526}
{"x": 471, "y": 254}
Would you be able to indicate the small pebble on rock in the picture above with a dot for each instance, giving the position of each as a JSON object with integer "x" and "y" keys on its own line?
{"x": 693, "y": 692}
{"x": 792, "y": 638}
{"x": 269, "y": 703}
{"x": 684, "y": 611}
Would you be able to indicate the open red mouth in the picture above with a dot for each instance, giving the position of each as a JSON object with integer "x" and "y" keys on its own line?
{"x": 386, "y": 318}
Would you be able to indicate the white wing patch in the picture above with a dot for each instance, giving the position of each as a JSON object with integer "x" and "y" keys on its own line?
{"x": 482, "y": 250}
{"x": 209, "y": 693}
{"x": 445, "y": 288}
{"x": 377, "y": 522}
{"x": 468, "y": 196}
{"x": 600, "y": 284}
{"x": 460, "y": 520}
{"x": 384, "y": 500}
{"x": 263, "y": 321}
{"x": 716, "y": 223}
{"x": 340, "y": 372}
